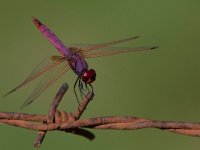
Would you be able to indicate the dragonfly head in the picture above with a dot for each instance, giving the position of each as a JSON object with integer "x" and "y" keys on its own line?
{"x": 88, "y": 76}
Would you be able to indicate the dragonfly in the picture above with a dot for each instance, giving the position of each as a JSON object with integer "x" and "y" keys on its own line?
{"x": 72, "y": 57}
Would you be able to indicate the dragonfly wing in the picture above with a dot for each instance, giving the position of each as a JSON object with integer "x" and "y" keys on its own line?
{"x": 41, "y": 68}
{"x": 83, "y": 46}
{"x": 47, "y": 81}
{"x": 79, "y": 45}
{"x": 114, "y": 50}
{"x": 90, "y": 47}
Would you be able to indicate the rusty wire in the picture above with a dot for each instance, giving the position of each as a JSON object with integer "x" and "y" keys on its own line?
{"x": 71, "y": 123}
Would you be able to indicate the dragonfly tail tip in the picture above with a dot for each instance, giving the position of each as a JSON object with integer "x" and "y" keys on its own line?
{"x": 36, "y": 22}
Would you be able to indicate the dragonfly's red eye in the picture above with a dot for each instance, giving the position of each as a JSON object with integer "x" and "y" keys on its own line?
{"x": 89, "y": 76}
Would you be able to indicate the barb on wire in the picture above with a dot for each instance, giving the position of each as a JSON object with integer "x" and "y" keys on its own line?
{"x": 56, "y": 116}
{"x": 51, "y": 114}
{"x": 71, "y": 123}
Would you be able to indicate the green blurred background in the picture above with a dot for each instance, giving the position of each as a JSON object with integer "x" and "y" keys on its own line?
{"x": 162, "y": 84}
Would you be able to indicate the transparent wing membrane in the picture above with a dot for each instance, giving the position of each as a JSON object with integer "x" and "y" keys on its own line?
{"x": 114, "y": 50}
{"x": 49, "y": 78}
{"x": 90, "y": 47}
{"x": 40, "y": 69}
{"x": 105, "y": 49}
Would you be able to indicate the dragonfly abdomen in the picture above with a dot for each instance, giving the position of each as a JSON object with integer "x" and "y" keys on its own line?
{"x": 52, "y": 37}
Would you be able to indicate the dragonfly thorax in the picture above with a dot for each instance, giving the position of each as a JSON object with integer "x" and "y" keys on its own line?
{"x": 88, "y": 76}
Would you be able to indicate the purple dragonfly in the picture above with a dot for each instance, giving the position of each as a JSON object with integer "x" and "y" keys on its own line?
{"x": 71, "y": 57}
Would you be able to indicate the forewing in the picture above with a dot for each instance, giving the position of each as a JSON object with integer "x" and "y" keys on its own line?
{"x": 90, "y": 47}
{"x": 41, "y": 68}
{"x": 49, "y": 78}
{"x": 114, "y": 50}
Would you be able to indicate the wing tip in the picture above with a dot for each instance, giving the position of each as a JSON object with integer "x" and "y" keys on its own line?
{"x": 26, "y": 103}
{"x": 135, "y": 37}
{"x": 154, "y": 47}
{"x": 23, "y": 106}
{"x": 9, "y": 92}
{"x": 5, "y": 95}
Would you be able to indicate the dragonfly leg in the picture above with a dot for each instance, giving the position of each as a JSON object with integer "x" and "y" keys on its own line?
{"x": 87, "y": 87}
{"x": 81, "y": 89}
{"x": 75, "y": 89}
{"x": 91, "y": 88}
